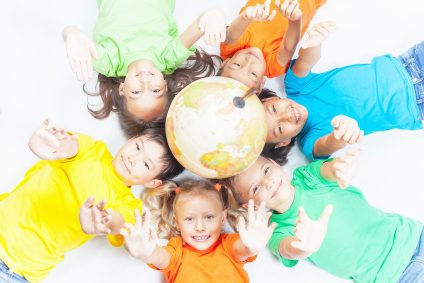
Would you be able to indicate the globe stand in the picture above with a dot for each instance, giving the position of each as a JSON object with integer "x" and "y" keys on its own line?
{"x": 239, "y": 101}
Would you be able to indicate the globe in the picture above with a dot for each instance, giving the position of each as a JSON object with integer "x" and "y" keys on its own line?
{"x": 210, "y": 132}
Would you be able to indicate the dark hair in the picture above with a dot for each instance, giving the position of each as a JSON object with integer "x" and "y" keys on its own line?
{"x": 162, "y": 201}
{"x": 197, "y": 66}
{"x": 171, "y": 166}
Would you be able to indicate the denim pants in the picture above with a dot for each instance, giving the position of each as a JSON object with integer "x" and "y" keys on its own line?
{"x": 8, "y": 276}
{"x": 414, "y": 272}
{"x": 413, "y": 61}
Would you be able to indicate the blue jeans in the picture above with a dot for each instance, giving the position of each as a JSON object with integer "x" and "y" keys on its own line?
{"x": 414, "y": 272}
{"x": 413, "y": 61}
{"x": 8, "y": 276}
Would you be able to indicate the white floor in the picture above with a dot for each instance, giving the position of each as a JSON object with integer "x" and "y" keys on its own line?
{"x": 36, "y": 82}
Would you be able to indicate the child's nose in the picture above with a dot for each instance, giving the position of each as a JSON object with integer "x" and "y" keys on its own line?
{"x": 200, "y": 226}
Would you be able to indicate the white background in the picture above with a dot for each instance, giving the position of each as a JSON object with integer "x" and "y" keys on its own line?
{"x": 36, "y": 82}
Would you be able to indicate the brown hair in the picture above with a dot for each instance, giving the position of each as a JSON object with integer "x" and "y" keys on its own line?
{"x": 162, "y": 201}
{"x": 197, "y": 66}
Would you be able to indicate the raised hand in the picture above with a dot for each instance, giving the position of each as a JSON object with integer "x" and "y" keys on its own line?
{"x": 94, "y": 218}
{"x": 259, "y": 13}
{"x": 256, "y": 233}
{"x": 80, "y": 50}
{"x": 51, "y": 143}
{"x": 317, "y": 34}
{"x": 140, "y": 238}
{"x": 311, "y": 234}
{"x": 346, "y": 129}
{"x": 290, "y": 9}
{"x": 345, "y": 167}
{"x": 212, "y": 25}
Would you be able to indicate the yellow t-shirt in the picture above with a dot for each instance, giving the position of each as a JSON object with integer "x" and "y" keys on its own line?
{"x": 39, "y": 218}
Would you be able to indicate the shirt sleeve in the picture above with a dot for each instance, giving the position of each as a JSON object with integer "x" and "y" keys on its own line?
{"x": 282, "y": 231}
{"x": 309, "y": 176}
{"x": 85, "y": 146}
{"x": 174, "y": 55}
{"x": 125, "y": 207}
{"x": 307, "y": 143}
{"x": 228, "y": 241}
{"x": 273, "y": 68}
{"x": 175, "y": 249}
{"x": 295, "y": 84}
{"x": 103, "y": 64}
{"x": 228, "y": 50}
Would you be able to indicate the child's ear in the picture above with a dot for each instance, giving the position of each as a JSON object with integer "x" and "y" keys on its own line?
{"x": 121, "y": 89}
{"x": 153, "y": 183}
{"x": 282, "y": 143}
{"x": 224, "y": 217}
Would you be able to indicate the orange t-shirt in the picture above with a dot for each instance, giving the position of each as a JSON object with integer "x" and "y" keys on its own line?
{"x": 215, "y": 264}
{"x": 268, "y": 35}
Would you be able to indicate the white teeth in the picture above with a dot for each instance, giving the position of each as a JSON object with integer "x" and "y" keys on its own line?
{"x": 296, "y": 114}
{"x": 200, "y": 238}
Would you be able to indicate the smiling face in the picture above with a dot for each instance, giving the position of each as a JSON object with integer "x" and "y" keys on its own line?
{"x": 246, "y": 66}
{"x": 139, "y": 161}
{"x": 145, "y": 90}
{"x": 284, "y": 118}
{"x": 199, "y": 218}
{"x": 265, "y": 181}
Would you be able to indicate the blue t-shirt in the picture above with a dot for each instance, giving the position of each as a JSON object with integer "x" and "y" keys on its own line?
{"x": 379, "y": 95}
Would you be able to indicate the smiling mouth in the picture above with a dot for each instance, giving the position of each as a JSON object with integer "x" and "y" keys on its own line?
{"x": 296, "y": 115}
{"x": 277, "y": 190}
{"x": 201, "y": 238}
{"x": 144, "y": 74}
{"x": 125, "y": 164}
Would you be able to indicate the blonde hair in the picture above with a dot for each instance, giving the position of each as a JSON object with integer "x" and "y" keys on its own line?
{"x": 162, "y": 201}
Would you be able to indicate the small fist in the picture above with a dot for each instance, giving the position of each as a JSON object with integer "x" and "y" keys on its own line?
{"x": 317, "y": 34}
{"x": 290, "y": 9}
{"x": 346, "y": 129}
{"x": 260, "y": 13}
{"x": 345, "y": 167}
{"x": 212, "y": 25}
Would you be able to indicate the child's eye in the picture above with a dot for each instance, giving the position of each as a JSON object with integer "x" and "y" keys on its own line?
{"x": 156, "y": 90}
{"x": 135, "y": 92}
{"x": 255, "y": 189}
{"x": 266, "y": 170}
{"x": 137, "y": 146}
{"x": 274, "y": 109}
{"x": 236, "y": 64}
{"x": 188, "y": 219}
{"x": 254, "y": 74}
{"x": 146, "y": 165}
{"x": 210, "y": 217}
{"x": 280, "y": 129}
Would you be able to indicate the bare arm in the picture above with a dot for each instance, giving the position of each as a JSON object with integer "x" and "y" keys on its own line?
{"x": 346, "y": 131}
{"x": 211, "y": 25}
{"x": 257, "y": 13}
{"x": 310, "y": 52}
{"x": 290, "y": 10}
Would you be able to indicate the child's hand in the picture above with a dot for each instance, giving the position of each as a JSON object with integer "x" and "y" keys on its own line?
{"x": 346, "y": 129}
{"x": 212, "y": 25}
{"x": 259, "y": 13}
{"x": 140, "y": 239}
{"x": 290, "y": 9}
{"x": 311, "y": 233}
{"x": 80, "y": 50}
{"x": 257, "y": 233}
{"x": 317, "y": 34}
{"x": 94, "y": 218}
{"x": 50, "y": 143}
{"x": 345, "y": 167}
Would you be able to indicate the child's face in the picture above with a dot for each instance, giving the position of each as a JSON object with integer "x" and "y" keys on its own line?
{"x": 145, "y": 90}
{"x": 265, "y": 181}
{"x": 139, "y": 161}
{"x": 285, "y": 119}
{"x": 246, "y": 66}
{"x": 199, "y": 219}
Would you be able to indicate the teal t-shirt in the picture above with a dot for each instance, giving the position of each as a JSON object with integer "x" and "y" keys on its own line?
{"x": 362, "y": 243}
{"x": 379, "y": 95}
{"x": 129, "y": 30}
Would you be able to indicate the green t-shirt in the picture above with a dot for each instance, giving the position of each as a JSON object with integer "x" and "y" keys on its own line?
{"x": 129, "y": 30}
{"x": 363, "y": 243}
